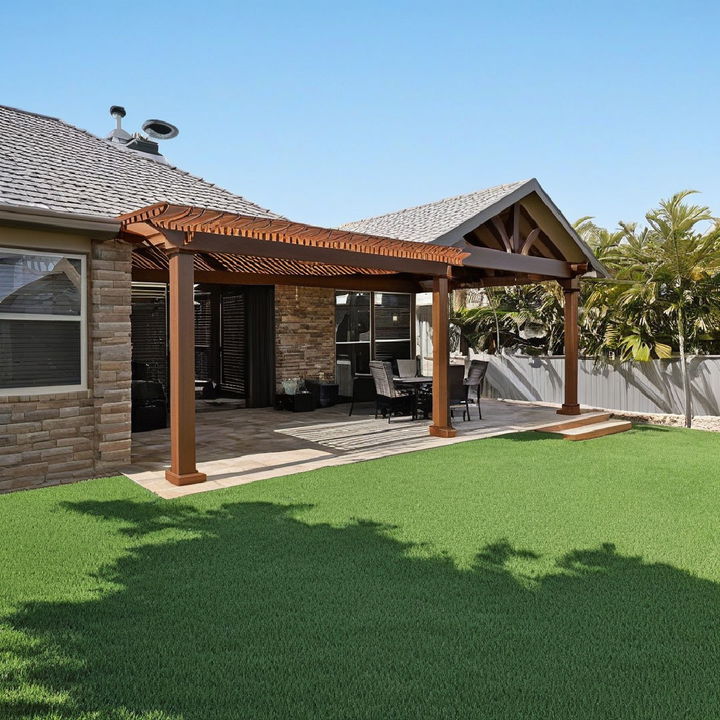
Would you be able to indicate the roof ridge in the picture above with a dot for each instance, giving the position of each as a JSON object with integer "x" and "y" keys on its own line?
{"x": 30, "y": 112}
{"x": 517, "y": 183}
{"x": 107, "y": 143}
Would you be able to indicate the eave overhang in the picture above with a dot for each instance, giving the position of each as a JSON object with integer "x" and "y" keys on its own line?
{"x": 23, "y": 216}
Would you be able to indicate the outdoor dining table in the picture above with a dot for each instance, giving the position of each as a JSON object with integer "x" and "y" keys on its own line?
{"x": 416, "y": 384}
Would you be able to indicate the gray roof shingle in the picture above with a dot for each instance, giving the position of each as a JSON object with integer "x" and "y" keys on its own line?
{"x": 47, "y": 163}
{"x": 427, "y": 223}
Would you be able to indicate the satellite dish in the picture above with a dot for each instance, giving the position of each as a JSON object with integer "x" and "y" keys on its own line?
{"x": 159, "y": 129}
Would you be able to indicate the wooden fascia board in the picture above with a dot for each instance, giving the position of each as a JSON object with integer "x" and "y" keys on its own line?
{"x": 499, "y": 281}
{"x": 454, "y": 236}
{"x": 595, "y": 264}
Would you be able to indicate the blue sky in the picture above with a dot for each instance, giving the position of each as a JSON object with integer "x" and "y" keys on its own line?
{"x": 328, "y": 112}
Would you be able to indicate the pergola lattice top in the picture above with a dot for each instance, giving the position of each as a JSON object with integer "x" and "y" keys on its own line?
{"x": 194, "y": 220}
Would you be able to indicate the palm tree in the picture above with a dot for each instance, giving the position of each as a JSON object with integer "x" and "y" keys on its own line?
{"x": 527, "y": 317}
{"x": 668, "y": 284}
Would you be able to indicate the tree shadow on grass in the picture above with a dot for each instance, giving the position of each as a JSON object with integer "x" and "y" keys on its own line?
{"x": 247, "y": 612}
{"x": 642, "y": 427}
{"x": 531, "y": 436}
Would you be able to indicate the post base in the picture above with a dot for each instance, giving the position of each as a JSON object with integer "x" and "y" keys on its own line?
{"x": 569, "y": 409}
{"x": 444, "y": 432}
{"x": 185, "y": 478}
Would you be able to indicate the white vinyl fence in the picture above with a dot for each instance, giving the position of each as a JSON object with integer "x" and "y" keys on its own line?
{"x": 650, "y": 387}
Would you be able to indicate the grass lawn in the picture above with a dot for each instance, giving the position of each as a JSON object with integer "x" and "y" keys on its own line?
{"x": 516, "y": 577}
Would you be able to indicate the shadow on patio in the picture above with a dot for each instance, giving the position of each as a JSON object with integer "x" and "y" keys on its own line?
{"x": 240, "y": 446}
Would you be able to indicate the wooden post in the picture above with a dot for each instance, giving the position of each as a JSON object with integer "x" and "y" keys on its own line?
{"x": 571, "y": 292}
{"x": 441, "y": 423}
{"x": 182, "y": 370}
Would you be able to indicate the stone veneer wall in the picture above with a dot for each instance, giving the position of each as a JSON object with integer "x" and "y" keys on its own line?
{"x": 304, "y": 332}
{"x": 53, "y": 438}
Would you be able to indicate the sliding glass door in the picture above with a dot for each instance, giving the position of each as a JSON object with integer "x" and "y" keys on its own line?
{"x": 393, "y": 326}
{"x": 352, "y": 329}
{"x": 375, "y": 325}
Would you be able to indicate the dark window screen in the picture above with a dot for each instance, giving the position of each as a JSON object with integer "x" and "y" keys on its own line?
{"x": 149, "y": 332}
{"x": 39, "y": 353}
{"x": 203, "y": 336}
{"x": 233, "y": 342}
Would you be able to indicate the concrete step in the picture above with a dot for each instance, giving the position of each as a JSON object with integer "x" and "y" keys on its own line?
{"x": 574, "y": 421}
{"x": 596, "y": 430}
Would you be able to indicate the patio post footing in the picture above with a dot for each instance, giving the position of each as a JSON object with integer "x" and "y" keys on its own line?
{"x": 185, "y": 478}
{"x": 569, "y": 410}
{"x": 444, "y": 432}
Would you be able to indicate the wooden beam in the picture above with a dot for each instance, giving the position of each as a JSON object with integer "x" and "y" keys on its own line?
{"x": 499, "y": 281}
{"x": 485, "y": 258}
{"x": 502, "y": 233}
{"x": 441, "y": 422}
{"x": 386, "y": 283}
{"x": 209, "y": 242}
{"x": 533, "y": 235}
{"x": 141, "y": 232}
{"x": 182, "y": 371}
{"x": 516, "y": 239}
{"x": 571, "y": 293}
{"x": 491, "y": 232}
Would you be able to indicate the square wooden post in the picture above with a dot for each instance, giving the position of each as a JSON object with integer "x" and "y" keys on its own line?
{"x": 441, "y": 423}
{"x": 571, "y": 293}
{"x": 182, "y": 370}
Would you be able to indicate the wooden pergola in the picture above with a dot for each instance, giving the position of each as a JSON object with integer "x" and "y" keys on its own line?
{"x": 183, "y": 245}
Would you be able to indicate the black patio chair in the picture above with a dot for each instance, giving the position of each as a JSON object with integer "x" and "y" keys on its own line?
{"x": 472, "y": 384}
{"x": 389, "y": 399}
{"x": 456, "y": 389}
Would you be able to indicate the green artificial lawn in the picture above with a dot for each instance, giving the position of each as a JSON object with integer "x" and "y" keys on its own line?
{"x": 516, "y": 577}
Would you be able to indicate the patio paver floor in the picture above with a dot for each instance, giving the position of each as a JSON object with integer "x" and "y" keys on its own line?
{"x": 239, "y": 446}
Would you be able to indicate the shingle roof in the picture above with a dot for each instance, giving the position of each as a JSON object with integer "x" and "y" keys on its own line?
{"x": 47, "y": 163}
{"x": 427, "y": 223}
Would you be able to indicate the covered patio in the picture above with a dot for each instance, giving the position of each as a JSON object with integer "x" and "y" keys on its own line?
{"x": 287, "y": 443}
{"x": 519, "y": 239}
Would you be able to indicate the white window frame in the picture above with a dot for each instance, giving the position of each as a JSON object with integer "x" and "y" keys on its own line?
{"x": 82, "y": 319}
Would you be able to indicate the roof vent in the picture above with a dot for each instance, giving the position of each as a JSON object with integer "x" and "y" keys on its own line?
{"x": 160, "y": 130}
{"x": 137, "y": 142}
{"x": 141, "y": 144}
{"x": 118, "y": 135}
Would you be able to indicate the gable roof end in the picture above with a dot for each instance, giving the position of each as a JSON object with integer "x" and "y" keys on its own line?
{"x": 447, "y": 221}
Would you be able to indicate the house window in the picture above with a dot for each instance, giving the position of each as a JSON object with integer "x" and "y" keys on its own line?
{"x": 43, "y": 345}
{"x": 372, "y": 325}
